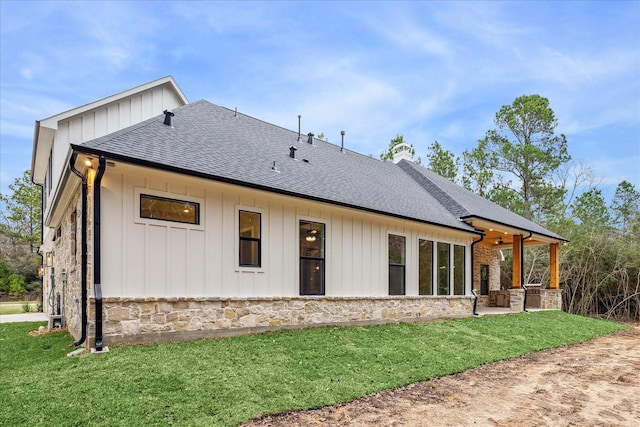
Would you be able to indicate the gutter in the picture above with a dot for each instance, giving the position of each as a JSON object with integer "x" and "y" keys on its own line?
{"x": 524, "y": 302}
{"x": 83, "y": 244}
{"x": 473, "y": 291}
{"x": 97, "y": 278}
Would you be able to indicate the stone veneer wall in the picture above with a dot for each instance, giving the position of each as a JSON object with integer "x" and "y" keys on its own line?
{"x": 551, "y": 299}
{"x": 137, "y": 320}
{"x": 484, "y": 254}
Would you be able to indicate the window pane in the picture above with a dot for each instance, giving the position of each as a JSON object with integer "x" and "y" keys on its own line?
{"x": 311, "y": 239}
{"x": 250, "y": 253}
{"x": 250, "y": 224}
{"x": 396, "y": 280}
{"x": 458, "y": 270}
{"x": 153, "y": 207}
{"x": 311, "y": 276}
{"x": 443, "y": 269}
{"x": 396, "y": 249}
{"x": 425, "y": 268}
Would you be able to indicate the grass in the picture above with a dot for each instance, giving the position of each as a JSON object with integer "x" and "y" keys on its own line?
{"x": 226, "y": 381}
{"x": 16, "y": 307}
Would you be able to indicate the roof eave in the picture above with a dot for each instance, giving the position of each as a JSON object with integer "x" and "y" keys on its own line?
{"x": 515, "y": 229}
{"x": 169, "y": 168}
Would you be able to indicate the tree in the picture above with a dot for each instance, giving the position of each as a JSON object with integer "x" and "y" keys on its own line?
{"x": 591, "y": 209}
{"x": 443, "y": 162}
{"x": 525, "y": 152}
{"x": 20, "y": 225}
{"x": 478, "y": 165}
{"x": 626, "y": 205}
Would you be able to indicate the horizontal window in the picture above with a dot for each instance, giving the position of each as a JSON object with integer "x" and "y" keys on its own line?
{"x": 162, "y": 208}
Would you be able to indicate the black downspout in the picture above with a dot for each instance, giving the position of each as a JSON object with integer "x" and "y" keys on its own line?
{"x": 473, "y": 291}
{"x": 41, "y": 239}
{"x": 524, "y": 302}
{"x": 97, "y": 286}
{"x": 83, "y": 244}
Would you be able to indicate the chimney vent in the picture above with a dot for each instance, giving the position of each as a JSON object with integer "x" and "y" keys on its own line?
{"x": 292, "y": 152}
{"x": 167, "y": 118}
{"x": 342, "y": 146}
{"x": 310, "y": 140}
{"x": 299, "y": 135}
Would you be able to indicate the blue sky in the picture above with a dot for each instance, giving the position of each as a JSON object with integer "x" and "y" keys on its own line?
{"x": 426, "y": 70}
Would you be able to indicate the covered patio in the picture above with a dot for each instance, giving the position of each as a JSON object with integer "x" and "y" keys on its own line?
{"x": 520, "y": 295}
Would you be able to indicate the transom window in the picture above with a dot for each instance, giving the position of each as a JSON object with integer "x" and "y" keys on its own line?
{"x": 397, "y": 260}
{"x": 162, "y": 208}
{"x": 250, "y": 239}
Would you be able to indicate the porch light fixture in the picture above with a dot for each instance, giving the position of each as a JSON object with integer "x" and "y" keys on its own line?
{"x": 88, "y": 163}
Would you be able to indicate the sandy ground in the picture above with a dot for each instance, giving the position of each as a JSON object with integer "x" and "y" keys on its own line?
{"x": 596, "y": 383}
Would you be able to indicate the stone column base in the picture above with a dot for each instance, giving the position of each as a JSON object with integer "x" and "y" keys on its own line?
{"x": 516, "y": 297}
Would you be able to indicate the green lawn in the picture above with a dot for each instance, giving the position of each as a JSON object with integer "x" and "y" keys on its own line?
{"x": 15, "y": 307}
{"x": 226, "y": 381}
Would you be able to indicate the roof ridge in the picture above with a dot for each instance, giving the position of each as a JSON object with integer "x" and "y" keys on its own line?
{"x": 434, "y": 189}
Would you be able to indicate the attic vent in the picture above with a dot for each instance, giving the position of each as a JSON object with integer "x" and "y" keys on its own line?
{"x": 310, "y": 138}
{"x": 292, "y": 152}
{"x": 167, "y": 118}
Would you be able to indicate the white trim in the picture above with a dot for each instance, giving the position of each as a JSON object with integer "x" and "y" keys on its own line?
{"x": 168, "y": 195}
{"x": 264, "y": 257}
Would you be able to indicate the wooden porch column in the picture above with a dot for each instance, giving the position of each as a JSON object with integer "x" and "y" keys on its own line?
{"x": 517, "y": 261}
{"x": 554, "y": 266}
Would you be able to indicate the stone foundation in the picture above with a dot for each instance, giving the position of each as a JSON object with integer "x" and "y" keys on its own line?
{"x": 146, "y": 320}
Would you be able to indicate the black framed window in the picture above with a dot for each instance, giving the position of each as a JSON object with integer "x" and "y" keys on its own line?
{"x": 484, "y": 279}
{"x": 425, "y": 267}
{"x": 443, "y": 268}
{"x": 458, "y": 270}
{"x": 162, "y": 208}
{"x": 250, "y": 239}
{"x": 312, "y": 258}
{"x": 397, "y": 259}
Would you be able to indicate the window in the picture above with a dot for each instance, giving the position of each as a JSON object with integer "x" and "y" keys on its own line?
{"x": 425, "y": 267}
{"x": 443, "y": 268}
{"x": 311, "y": 258}
{"x": 154, "y": 207}
{"x": 397, "y": 255}
{"x": 458, "y": 270}
{"x": 250, "y": 244}
{"x": 484, "y": 279}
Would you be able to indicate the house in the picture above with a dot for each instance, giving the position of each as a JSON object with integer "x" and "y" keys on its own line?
{"x": 169, "y": 220}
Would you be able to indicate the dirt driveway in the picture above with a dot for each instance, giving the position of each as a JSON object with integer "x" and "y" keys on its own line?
{"x": 596, "y": 383}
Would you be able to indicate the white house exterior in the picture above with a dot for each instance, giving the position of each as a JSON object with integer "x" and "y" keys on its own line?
{"x": 201, "y": 221}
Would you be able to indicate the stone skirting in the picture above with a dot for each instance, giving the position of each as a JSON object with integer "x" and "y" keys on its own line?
{"x": 140, "y": 320}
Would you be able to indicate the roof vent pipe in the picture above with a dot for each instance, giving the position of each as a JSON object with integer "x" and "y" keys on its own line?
{"x": 310, "y": 140}
{"x": 292, "y": 152}
{"x": 235, "y": 113}
{"x": 167, "y": 118}
{"x": 342, "y": 146}
{"x": 299, "y": 135}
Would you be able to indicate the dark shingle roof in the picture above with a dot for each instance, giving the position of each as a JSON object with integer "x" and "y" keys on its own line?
{"x": 466, "y": 204}
{"x": 216, "y": 143}
{"x": 212, "y": 142}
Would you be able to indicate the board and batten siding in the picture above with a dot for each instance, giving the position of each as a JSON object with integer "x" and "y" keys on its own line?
{"x": 149, "y": 258}
{"x": 107, "y": 119}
